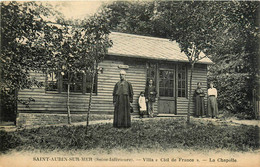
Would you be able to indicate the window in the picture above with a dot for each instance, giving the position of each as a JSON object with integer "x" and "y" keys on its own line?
{"x": 151, "y": 73}
{"x": 182, "y": 81}
{"x": 80, "y": 83}
{"x": 51, "y": 84}
{"x": 76, "y": 84}
{"x": 166, "y": 83}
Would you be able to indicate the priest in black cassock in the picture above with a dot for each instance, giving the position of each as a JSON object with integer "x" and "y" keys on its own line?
{"x": 122, "y": 97}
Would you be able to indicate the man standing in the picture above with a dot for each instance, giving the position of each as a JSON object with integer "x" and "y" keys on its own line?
{"x": 122, "y": 97}
{"x": 150, "y": 94}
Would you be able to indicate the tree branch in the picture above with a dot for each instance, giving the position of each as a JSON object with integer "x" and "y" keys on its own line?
{"x": 192, "y": 53}
{"x": 202, "y": 57}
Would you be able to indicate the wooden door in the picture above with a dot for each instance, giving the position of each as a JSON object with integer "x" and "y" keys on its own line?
{"x": 167, "y": 91}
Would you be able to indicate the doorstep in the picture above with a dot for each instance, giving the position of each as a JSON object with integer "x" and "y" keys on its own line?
{"x": 170, "y": 115}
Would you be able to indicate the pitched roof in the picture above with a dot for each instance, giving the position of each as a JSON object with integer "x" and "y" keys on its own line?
{"x": 129, "y": 45}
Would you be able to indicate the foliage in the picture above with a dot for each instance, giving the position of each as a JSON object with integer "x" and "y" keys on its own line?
{"x": 227, "y": 31}
{"x": 77, "y": 48}
{"x": 21, "y": 27}
{"x": 8, "y": 104}
{"x": 164, "y": 135}
{"x": 74, "y": 48}
{"x": 235, "y": 51}
{"x": 30, "y": 43}
{"x": 233, "y": 91}
{"x": 8, "y": 141}
{"x": 130, "y": 17}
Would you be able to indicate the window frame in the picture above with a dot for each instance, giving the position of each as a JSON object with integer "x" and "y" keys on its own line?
{"x": 164, "y": 87}
{"x": 47, "y": 81}
{"x": 185, "y": 79}
{"x": 150, "y": 66}
{"x": 60, "y": 84}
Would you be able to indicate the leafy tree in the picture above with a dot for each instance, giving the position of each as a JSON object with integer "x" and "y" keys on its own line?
{"x": 30, "y": 43}
{"x": 98, "y": 29}
{"x": 138, "y": 17}
{"x": 77, "y": 48}
{"x": 235, "y": 49}
{"x": 130, "y": 17}
{"x": 21, "y": 27}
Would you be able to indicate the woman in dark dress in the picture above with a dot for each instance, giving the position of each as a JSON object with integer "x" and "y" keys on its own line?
{"x": 199, "y": 101}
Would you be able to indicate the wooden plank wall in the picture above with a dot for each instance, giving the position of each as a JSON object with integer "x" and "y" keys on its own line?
{"x": 52, "y": 102}
{"x": 101, "y": 103}
{"x": 199, "y": 75}
{"x": 136, "y": 75}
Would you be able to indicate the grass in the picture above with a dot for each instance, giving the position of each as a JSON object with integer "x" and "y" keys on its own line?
{"x": 153, "y": 134}
{"x": 92, "y": 117}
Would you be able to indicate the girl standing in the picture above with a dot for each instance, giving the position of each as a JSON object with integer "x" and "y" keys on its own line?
{"x": 142, "y": 104}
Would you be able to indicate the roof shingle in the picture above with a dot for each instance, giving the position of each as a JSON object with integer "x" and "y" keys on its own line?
{"x": 129, "y": 45}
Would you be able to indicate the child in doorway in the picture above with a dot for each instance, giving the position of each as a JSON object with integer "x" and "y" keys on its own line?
{"x": 142, "y": 104}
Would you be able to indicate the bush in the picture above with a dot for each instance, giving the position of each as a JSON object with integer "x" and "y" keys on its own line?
{"x": 8, "y": 106}
{"x": 9, "y": 141}
{"x": 234, "y": 94}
